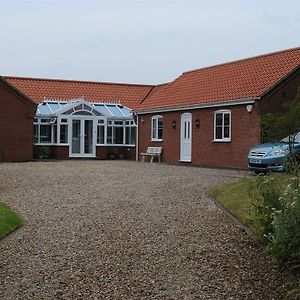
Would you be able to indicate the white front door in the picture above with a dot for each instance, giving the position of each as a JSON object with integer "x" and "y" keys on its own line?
{"x": 186, "y": 137}
{"x": 82, "y": 137}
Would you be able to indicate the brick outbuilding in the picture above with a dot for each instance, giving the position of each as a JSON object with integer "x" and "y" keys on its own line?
{"x": 17, "y": 112}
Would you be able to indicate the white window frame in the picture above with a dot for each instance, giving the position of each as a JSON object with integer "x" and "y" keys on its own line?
{"x": 38, "y": 122}
{"x": 223, "y": 112}
{"x": 60, "y": 122}
{"x": 154, "y": 137}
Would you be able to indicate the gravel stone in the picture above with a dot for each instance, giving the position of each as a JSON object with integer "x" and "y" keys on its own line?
{"x": 126, "y": 230}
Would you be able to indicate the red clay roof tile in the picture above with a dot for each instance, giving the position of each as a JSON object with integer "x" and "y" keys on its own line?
{"x": 242, "y": 79}
{"x": 37, "y": 89}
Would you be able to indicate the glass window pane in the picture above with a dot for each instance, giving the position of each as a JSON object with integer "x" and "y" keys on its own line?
{"x": 219, "y": 133}
{"x": 154, "y": 128}
{"x": 118, "y": 123}
{"x": 76, "y": 129}
{"x": 109, "y": 135}
{"x": 160, "y": 128}
{"x": 130, "y": 136}
{"x": 100, "y": 134}
{"x": 35, "y": 133}
{"x": 226, "y": 119}
{"x": 160, "y": 133}
{"x": 226, "y": 132}
{"x": 133, "y": 135}
{"x": 54, "y": 134}
{"x": 88, "y": 136}
{"x": 63, "y": 134}
{"x": 45, "y": 120}
{"x": 219, "y": 118}
{"x": 118, "y": 135}
{"x": 45, "y": 133}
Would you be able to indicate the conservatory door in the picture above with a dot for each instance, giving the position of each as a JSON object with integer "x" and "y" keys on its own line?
{"x": 83, "y": 138}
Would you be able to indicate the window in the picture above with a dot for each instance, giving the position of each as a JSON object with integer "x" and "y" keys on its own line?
{"x": 63, "y": 131}
{"x": 101, "y": 132}
{"x": 118, "y": 132}
{"x": 222, "y": 131}
{"x": 109, "y": 139}
{"x": 43, "y": 131}
{"x": 157, "y": 128}
{"x": 130, "y": 132}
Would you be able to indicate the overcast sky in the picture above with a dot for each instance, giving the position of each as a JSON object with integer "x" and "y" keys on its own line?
{"x": 138, "y": 41}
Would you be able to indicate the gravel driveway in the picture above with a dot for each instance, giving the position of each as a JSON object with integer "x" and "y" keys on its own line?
{"x": 125, "y": 230}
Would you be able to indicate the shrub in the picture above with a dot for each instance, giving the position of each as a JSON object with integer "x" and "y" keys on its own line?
{"x": 276, "y": 218}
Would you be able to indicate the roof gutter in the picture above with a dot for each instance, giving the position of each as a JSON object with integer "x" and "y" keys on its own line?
{"x": 200, "y": 106}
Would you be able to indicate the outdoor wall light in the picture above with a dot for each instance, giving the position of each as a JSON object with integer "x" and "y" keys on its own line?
{"x": 197, "y": 123}
{"x": 174, "y": 124}
{"x": 142, "y": 120}
{"x": 249, "y": 108}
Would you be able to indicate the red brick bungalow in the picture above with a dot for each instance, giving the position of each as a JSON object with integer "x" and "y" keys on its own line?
{"x": 17, "y": 112}
{"x": 212, "y": 116}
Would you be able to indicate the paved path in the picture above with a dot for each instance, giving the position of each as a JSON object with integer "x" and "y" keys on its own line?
{"x": 125, "y": 230}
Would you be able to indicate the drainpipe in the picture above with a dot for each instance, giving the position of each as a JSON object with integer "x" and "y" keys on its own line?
{"x": 137, "y": 139}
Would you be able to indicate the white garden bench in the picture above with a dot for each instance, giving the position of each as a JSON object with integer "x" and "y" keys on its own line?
{"x": 152, "y": 152}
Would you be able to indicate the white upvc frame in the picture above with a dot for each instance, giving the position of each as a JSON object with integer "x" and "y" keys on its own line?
{"x": 127, "y": 123}
{"x": 39, "y": 123}
{"x": 223, "y": 112}
{"x": 59, "y": 123}
{"x": 154, "y": 137}
{"x": 70, "y": 135}
{"x": 186, "y": 132}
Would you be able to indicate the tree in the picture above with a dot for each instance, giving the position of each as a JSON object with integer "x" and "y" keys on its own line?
{"x": 275, "y": 127}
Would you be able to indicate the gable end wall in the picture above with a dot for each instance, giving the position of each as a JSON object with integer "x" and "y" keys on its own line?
{"x": 16, "y": 126}
{"x": 285, "y": 92}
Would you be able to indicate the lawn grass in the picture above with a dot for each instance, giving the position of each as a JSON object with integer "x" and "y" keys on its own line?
{"x": 235, "y": 197}
{"x": 9, "y": 221}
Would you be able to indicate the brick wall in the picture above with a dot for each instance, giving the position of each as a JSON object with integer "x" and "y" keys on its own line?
{"x": 285, "y": 92}
{"x": 245, "y": 133}
{"x": 16, "y": 126}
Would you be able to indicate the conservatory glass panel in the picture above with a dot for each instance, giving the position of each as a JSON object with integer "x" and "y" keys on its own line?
{"x": 44, "y": 109}
{"x": 130, "y": 135}
{"x": 115, "y": 111}
{"x": 36, "y": 133}
{"x": 100, "y": 135}
{"x": 76, "y": 136}
{"x": 118, "y": 135}
{"x": 63, "y": 134}
{"x": 45, "y": 133}
{"x": 88, "y": 136}
{"x": 109, "y": 135}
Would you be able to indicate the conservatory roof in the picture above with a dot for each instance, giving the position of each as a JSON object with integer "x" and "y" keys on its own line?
{"x": 54, "y": 108}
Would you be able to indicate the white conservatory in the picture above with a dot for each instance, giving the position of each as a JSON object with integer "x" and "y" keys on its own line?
{"x": 83, "y": 126}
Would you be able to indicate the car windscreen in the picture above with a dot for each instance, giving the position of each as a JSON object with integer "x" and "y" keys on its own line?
{"x": 297, "y": 139}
